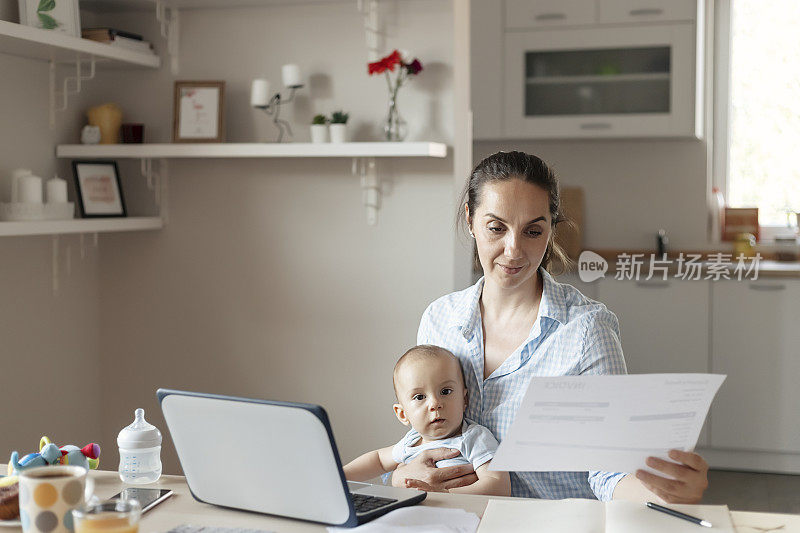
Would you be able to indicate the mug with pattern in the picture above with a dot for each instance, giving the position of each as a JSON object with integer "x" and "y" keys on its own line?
{"x": 47, "y": 496}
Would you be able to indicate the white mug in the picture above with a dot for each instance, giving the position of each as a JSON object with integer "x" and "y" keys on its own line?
{"x": 47, "y": 496}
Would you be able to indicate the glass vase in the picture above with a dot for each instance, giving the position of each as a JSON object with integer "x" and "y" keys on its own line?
{"x": 395, "y": 129}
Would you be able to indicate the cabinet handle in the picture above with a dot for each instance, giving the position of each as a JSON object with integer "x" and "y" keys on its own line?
{"x": 646, "y": 11}
{"x": 653, "y": 284}
{"x": 756, "y": 287}
{"x": 596, "y": 126}
{"x": 550, "y": 16}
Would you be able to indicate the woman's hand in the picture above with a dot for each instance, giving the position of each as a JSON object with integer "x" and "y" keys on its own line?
{"x": 422, "y": 473}
{"x": 691, "y": 477}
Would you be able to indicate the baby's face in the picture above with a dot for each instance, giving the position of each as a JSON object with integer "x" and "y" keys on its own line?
{"x": 432, "y": 397}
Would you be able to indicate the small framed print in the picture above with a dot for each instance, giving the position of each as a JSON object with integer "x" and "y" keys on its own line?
{"x": 98, "y": 187}
{"x": 198, "y": 111}
{"x": 57, "y": 15}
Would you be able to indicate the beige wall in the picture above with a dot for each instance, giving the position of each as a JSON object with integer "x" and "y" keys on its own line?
{"x": 49, "y": 374}
{"x": 267, "y": 282}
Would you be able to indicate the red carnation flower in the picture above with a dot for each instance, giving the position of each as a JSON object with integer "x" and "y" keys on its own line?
{"x": 386, "y": 63}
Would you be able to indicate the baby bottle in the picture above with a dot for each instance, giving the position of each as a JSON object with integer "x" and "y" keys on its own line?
{"x": 139, "y": 451}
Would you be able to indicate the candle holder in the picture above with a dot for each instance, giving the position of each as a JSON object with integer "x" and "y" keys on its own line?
{"x": 273, "y": 108}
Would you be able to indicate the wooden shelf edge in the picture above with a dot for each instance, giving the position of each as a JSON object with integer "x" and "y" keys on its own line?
{"x": 82, "y": 225}
{"x": 253, "y": 150}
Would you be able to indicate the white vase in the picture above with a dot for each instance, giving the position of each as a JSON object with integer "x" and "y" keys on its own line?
{"x": 319, "y": 133}
{"x": 338, "y": 133}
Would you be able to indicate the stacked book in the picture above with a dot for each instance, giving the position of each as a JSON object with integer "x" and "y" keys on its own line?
{"x": 118, "y": 38}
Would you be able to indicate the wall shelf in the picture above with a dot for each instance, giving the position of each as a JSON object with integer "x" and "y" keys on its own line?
{"x": 251, "y": 150}
{"x": 45, "y": 45}
{"x": 93, "y": 225}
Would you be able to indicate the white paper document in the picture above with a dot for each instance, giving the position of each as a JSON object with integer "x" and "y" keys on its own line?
{"x": 592, "y": 516}
{"x": 610, "y": 423}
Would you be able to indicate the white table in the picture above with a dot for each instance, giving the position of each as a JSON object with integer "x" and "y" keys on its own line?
{"x": 182, "y": 508}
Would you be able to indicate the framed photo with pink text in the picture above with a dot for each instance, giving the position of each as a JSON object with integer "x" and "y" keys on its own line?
{"x": 98, "y": 187}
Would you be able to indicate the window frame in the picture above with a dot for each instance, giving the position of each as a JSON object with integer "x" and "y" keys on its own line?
{"x": 722, "y": 107}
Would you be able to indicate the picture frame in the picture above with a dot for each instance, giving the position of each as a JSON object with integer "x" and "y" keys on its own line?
{"x": 98, "y": 188}
{"x": 53, "y": 15}
{"x": 198, "y": 113}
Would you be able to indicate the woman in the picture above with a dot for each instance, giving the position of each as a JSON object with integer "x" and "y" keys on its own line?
{"x": 517, "y": 322}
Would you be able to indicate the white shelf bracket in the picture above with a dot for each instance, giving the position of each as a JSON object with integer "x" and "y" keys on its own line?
{"x": 157, "y": 183}
{"x": 169, "y": 18}
{"x": 72, "y": 85}
{"x": 372, "y": 30}
{"x": 367, "y": 169}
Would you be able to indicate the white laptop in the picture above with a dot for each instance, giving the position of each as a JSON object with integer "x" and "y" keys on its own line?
{"x": 270, "y": 457}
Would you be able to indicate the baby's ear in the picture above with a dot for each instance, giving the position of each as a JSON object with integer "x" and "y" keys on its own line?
{"x": 400, "y": 413}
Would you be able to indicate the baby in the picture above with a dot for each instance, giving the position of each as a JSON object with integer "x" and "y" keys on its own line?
{"x": 432, "y": 397}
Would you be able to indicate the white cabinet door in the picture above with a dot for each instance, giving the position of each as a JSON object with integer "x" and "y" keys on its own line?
{"x": 634, "y": 11}
{"x": 663, "y": 325}
{"x": 756, "y": 342}
{"x": 523, "y": 14}
{"x": 601, "y": 82}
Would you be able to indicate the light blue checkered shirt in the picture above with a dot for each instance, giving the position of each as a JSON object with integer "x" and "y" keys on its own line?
{"x": 572, "y": 335}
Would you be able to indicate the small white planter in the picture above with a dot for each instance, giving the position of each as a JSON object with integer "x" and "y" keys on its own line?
{"x": 338, "y": 133}
{"x": 319, "y": 133}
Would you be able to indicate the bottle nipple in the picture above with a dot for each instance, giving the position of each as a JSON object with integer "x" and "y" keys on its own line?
{"x": 139, "y": 423}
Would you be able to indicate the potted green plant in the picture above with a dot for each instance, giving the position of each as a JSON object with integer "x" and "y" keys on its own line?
{"x": 319, "y": 129}
{"x": 339, "y": 126}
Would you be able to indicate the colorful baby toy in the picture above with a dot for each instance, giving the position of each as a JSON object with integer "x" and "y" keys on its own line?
{"x": 50, "y": 454}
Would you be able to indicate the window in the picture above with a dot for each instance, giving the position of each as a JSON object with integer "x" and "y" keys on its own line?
{"x": 759, "y": 69}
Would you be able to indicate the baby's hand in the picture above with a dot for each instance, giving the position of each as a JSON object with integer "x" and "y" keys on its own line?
{"x": 422, "y": 469}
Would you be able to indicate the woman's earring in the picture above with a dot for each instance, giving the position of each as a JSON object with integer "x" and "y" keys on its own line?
{"x": 471, "y": 234}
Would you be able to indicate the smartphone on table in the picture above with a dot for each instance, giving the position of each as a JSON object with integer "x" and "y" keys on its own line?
{"x": 147, "y": 498}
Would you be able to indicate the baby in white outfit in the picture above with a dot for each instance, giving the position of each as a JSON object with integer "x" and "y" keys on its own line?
{"x": 432, "y": 398}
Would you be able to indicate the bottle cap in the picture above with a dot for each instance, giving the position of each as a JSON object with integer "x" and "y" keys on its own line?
{"x": 140, "y": 434}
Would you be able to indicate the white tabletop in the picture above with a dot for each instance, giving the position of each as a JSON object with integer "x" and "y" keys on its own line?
{"x": 182, "y": 508}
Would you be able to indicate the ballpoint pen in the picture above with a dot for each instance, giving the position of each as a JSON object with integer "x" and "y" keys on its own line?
{"x": 678, "y": 514}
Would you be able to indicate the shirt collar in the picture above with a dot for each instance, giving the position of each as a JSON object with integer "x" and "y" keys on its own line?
{"x": 553, "y": 304}
{"x": 467, "y": 310}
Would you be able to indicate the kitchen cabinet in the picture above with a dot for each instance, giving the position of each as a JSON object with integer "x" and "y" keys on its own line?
{"x": 663, "y": 325}
{"x": 756, "y": 342}
{"x": 586, "y": 69}
{"x": 525, "y": 14}
{"x": 637, "y": 11}
{"x": 746, "y": 330}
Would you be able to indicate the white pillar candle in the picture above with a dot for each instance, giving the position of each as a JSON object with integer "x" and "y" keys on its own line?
{"x": 29, "y": 189}
{"x": 259, "y": 92}
{"x": 56, "y": 191}
{"x": 291, "y": 75}
{"x": 16, "y": 174}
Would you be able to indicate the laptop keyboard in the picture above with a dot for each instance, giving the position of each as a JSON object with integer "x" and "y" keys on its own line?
{"x": 365, "y": 504}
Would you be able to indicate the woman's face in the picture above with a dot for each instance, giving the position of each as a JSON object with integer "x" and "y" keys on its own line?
{"x": 512, "y": 226}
